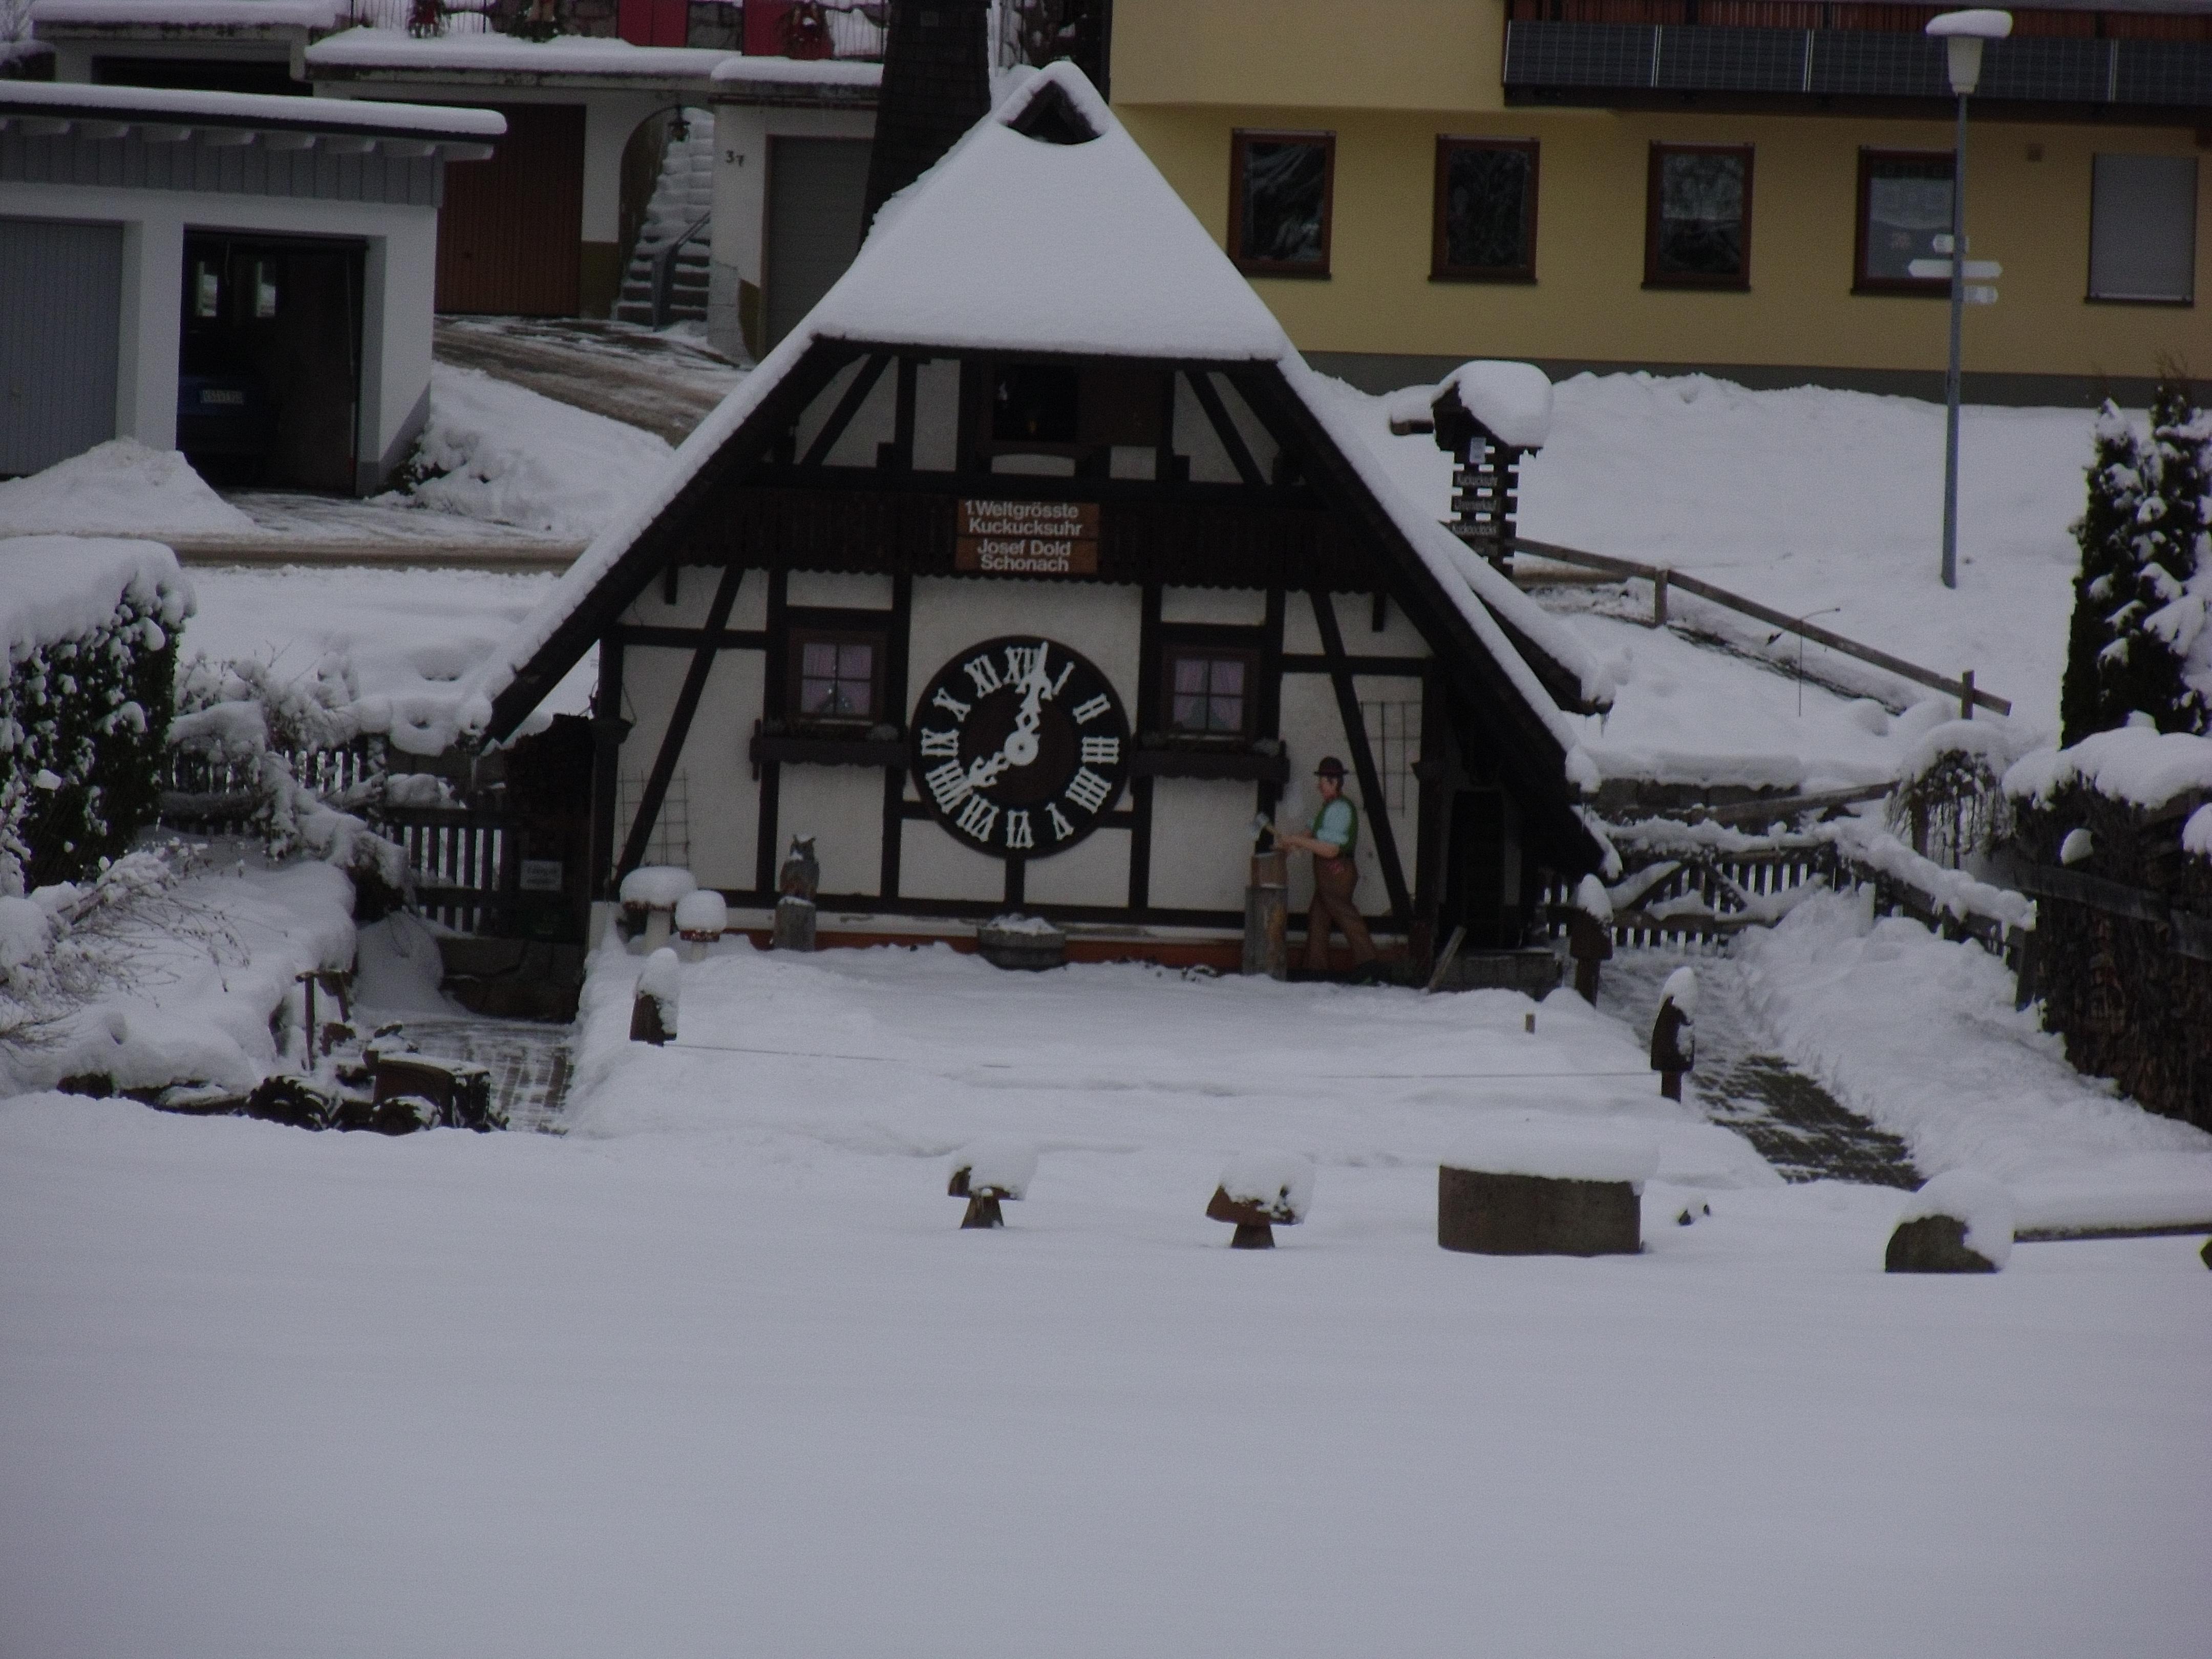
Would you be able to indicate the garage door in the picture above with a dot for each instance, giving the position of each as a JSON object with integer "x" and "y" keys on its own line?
{"x": 817, "y": 189}
{"x": 511, "y": 230}
{"x": 64, "y": 284}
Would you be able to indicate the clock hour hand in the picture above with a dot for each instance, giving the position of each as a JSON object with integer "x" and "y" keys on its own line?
{"x": 1021, "y": 748}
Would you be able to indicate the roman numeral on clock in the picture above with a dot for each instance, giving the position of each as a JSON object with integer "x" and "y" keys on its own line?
{"x": 977, "y": 817}
{"x": 1018, "y": 830}
{"x": 950, "y": 704}
{"x": 1088, "y": 790}
{"x": 1021, "y": 660}
{"x": 1062, "y": 829}
{"x": 943, "y": 743}
{"x": 985, "y": 673}
{"x": 1105, "y": 751}
{"x": 1089, "y": 711}
{"x": 949, "y": 783}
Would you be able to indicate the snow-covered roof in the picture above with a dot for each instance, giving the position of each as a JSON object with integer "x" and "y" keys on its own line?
{"x": 245, "y": 109}
{"x": 227, "y": 15}
{"x": 567, "y": 55}
{"x": 1019, "y": 244}
{"x": 733, "y": 72}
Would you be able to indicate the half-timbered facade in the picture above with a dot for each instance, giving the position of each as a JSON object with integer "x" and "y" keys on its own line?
{"x": 1032, "y": 569}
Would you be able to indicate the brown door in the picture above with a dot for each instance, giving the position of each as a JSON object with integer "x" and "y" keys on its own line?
{"x": 510, "y": 232}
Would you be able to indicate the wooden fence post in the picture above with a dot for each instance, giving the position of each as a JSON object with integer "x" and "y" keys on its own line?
{"x": 1659, "y": 579}
{"x": 1966, "y": 696}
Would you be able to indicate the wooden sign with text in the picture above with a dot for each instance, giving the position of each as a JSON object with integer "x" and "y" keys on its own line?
{"x": 1028, "y": 538}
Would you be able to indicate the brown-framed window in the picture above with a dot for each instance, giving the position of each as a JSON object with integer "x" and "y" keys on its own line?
{"x": 1904, "y": 204}
{"x": 1697, "y": 231}
{"x": 1485, "y": 210}
{"x": 2142, "y": 229}
{"x": 1209, "y": 691}
{"x": 1281, "y": 185}
{"x": 836, "y": 676}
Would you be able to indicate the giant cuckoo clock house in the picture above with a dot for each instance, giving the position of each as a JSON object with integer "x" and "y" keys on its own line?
{"x": 1031, "y": 569}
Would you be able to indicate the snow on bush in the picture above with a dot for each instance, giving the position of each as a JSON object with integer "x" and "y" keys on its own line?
{"x": 89, "y": 630}
{"x": 1983, "y": 1204}
{"x": 495, "y": 451}
{"x": 120, "y": 488}
{"x": 1281, "y": 1183}
{"x": 2133, "y": 764}
{"x": 59, "y": 946}
{"x": 1561, "y": 1150}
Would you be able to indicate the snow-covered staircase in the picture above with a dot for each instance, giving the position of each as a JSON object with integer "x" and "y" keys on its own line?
{"x": 685, "y": 195}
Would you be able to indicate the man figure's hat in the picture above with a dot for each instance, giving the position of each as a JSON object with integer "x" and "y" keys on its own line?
{"x": 1330, "y": 767}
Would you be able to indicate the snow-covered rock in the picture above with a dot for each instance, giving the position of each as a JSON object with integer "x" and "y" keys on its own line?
{"x": 1280, "y": 1184}
{"x": 998, "y": 1165}
{"x": 1561, "y": 1150}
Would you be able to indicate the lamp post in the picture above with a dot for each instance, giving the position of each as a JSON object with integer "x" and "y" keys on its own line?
{"x": 1963, "y": 32}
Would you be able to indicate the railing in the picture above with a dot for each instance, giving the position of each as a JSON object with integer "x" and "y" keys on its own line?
{"x": 1663, "y": 580}
{"x": 664, "y": 269}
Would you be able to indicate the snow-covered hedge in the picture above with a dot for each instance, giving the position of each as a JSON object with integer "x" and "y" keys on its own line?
{"x": 90, "y": 629}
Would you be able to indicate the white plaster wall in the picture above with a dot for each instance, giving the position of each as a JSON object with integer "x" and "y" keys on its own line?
{"x": 739, "y": 254}
{"x": 1201, "y": 843}
{"x": 695, "y": 597}
{"x": 1228, "y": 607}
{"x": 934, "y": 865}
{"x": 833, "y": 591}
{"x": 842, "y": 808}
{"x": 402, "y": 271}
{"x": 722, "y": 800}
{"x": 1095, "y": 871}
{"x": 1355, "y": 620}
{"x": 872, "y": 424}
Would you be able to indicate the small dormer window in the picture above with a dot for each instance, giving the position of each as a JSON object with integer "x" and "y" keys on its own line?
{"x": 838, "y": 675}
{"x": 1035, "y": 403}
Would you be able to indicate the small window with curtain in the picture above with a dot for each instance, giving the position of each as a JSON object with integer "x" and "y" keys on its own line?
{"x": 1698, "y": 217}
{"x": 2142, "y": 229}
{"x": 1280, "y": 187}
{"x": 837, "y": 676}
{"x": 1485, "y": 210}
{"x": 1210, "y": 690}
{"x": 1904, "y": 204}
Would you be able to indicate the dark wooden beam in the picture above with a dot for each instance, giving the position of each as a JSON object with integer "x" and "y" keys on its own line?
{"x": 901, "y": 455}
{"x": 841, "y": 416}
{"x": 608, "y": 729}
{"x": 774, "y": 677}
{"x": 1217, "y": 415}
{"x": 1363, "y": 760}
{"x": 1148, "y": 719}
{"x": 894, "y": 696}
{"x": 679, "y": 724}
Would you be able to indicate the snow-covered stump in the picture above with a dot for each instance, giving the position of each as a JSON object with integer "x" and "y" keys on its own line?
{"x": 1266, "y": 916}
{"x": 1959, "y": 1223}
{"x": 650, "y": 894}
{"x": 1022, "y": 944}
{"x": 1673, "y": 1032}
{"x": 1537, "y": 1189}
{"x": 1589, "y": 935}
{"x": 652, "y": 1014}
{"x": 987, "y": 1172}
{"x": 1259, "y": 1190}
{"x": 701, "y": 917}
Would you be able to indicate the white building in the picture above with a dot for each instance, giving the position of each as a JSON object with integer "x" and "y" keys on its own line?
{"x": 243, "y": 276}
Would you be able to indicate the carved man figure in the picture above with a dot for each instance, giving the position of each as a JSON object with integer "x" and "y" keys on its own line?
{"x": 1332, "y": 837}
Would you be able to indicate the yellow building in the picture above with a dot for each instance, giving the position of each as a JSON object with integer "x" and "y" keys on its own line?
{"x": 1734, "y": 186}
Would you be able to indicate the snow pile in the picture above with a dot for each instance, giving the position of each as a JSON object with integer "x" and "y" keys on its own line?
{"x": 1015, "y": 922}
{"x": 998, "y": 1165}
{"x": 662, "y": 979}
{"x": 120, "y": 488}
{"x": 1920, "y": 1036}
{"x": 2197, "y": 833}
{"x": 498, "y": 452}
{"x": 1513, "y": 400}
{"x": 2137, "y": 764}
{"x": 1281, "y": 1183}
{"x": 1559, "y": 1151}
{"x": 657, "y": 886}
{"x": 1983, "y": 1204}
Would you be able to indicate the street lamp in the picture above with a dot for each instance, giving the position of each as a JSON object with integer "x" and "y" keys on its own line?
{"x": 1963, "y": 32}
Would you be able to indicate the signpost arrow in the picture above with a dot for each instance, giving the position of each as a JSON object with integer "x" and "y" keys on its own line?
{"x": 1940, "y": 268}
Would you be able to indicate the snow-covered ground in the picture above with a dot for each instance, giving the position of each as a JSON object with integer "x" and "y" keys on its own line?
{"x": 1809, "y": 499}
{"x": 716, "y": 1370}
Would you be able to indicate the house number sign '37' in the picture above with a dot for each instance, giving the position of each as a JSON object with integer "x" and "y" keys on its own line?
{"x": 1020, "y": 747}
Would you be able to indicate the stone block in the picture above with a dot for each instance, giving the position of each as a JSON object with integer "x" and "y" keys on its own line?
{"x": 1933, "y": 1244}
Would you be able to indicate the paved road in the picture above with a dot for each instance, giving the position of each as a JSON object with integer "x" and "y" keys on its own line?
{"x": 1791, "y": 1121}
{"x": 663, "y": 383}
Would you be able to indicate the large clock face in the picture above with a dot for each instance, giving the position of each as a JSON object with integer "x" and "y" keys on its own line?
{"x": 1020, "y": 747}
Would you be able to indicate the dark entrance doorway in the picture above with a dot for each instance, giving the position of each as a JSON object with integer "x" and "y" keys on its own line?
{"x": 1474, "y": 870}
{"x": 269, "y": 373}
{"x": 510, "y": 230}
